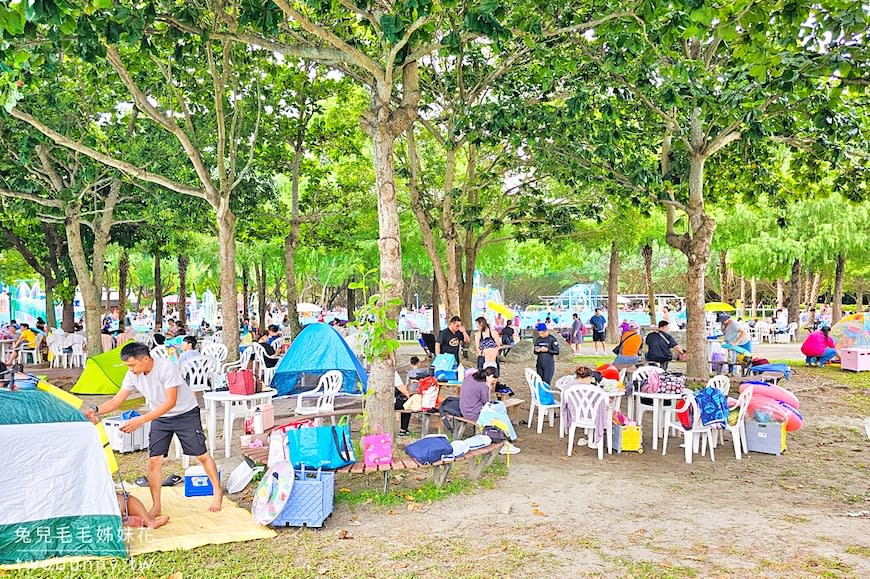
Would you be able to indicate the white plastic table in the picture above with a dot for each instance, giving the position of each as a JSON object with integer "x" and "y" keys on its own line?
{"x": 658, "y": 411}
{"x": 229, "y": 400}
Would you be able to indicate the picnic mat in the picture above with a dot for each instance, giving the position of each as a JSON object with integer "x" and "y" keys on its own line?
{"x": 191, "y": 524}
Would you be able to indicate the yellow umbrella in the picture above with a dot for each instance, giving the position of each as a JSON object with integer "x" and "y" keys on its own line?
{"x": 718, "y": 307}
{"x": 499, "y": 308}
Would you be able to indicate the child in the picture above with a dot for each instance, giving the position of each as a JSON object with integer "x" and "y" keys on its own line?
{"x": 406, "y": 390}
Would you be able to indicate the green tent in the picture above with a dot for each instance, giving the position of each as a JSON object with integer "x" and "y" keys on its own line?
{"x": 103, "y": 374}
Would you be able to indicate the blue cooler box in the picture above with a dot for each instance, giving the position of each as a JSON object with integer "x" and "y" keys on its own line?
{"x": 197, "y": 483}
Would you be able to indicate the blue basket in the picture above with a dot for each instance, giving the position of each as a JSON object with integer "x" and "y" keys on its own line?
{"x": 311, "y": 500}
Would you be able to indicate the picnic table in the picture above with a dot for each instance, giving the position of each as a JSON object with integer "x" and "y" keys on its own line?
{"x": 229, "y": 401}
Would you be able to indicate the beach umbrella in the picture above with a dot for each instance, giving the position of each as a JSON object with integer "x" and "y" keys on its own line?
{"x": 719, "y": 307}
{"x": 852, "y": 331}
{"x": 500, "y": 309}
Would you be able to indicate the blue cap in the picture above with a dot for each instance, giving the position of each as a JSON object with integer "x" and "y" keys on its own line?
{"x": 541, "y": 327}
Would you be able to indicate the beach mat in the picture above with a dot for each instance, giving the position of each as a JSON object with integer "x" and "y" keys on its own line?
{"x": 191, "y": 525}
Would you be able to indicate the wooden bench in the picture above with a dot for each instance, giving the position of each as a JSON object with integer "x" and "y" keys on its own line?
{"x": 477, "y": 460}
{"x": 512, "y": 405}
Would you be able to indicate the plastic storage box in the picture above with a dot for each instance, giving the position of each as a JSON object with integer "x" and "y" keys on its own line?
{"x": 855, "y": 359}
{"x": 123, "y": 442}
{"x": 268, "y": 412}
{"x": 311, "y": 500}
{"x": 765, "y": 437}
{"x": 197, "y": 483}
{"x": 627, "y": 438}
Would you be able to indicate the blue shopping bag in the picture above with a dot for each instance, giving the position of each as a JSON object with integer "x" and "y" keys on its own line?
{"x": 327, "y": 447}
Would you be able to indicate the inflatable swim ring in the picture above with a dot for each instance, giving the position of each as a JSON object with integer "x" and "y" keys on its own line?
{"x": 273, "y": 492}
{"x": 771, "y": 391}
{"x": 764, "y": 409}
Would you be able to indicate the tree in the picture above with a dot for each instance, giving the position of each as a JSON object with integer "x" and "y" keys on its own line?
{"x": 683, "y": 83}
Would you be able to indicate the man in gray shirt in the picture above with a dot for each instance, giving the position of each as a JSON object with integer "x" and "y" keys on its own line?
{"x": 173, "y": 411}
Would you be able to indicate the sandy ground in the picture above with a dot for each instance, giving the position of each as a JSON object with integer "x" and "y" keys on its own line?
{"x": 806, "y": 513}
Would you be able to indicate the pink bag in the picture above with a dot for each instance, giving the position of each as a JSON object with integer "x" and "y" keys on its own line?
{"x": 653, "y": 384}
{"x": 241, "y": 382}
{"x": 377, "y": 449}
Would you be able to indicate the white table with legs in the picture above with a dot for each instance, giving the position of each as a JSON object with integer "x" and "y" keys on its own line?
{"x": 229, "y": 401}
{"x": 658, "y": 411}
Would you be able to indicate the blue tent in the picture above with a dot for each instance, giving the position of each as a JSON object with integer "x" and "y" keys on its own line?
{"x": 318, "y": 349}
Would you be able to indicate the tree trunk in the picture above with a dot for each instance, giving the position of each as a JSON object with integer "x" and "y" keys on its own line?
{"x": 838, "y": 289}
{"x": 779, "y": 294}
{"x": 436, "y": 306}
{"x": 351, "y": 302}
{"x": 468, "y": 283}
{"x": 290, "y": 274}
{"x": 724, "y": 293}
{"x": 696, "y": 247}
{"x": 261, "y": 294}
{"x": 246, "y": 292}
{"x": 68, "y": 316}
{"x": 647, "y": 252}
{"x": 89, "y": 287}
{"x": 794, "y": 292}
{"x": 740, "y": 310}
{"x": 123, "y": 273}
{"x": 50, "y": 316}
{"x": 808, "y": 286}
{"x": 859, "y": 295}
{"x": 753, "y": 292}
{"x": 379, "y": 402}
{"x": 613, "y": 294}
{"x": 183, "y": 262}
{"x": 226, "y": 222}
{"x": 158, "y": 295}
{"x": 814, "y": 292}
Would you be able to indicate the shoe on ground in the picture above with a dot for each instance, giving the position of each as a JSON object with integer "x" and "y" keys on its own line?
{"x": 404, "y": 433}
{"x": 509, "y": 449}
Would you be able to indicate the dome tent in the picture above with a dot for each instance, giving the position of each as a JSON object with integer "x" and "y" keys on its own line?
{"x": 318, "y": 349}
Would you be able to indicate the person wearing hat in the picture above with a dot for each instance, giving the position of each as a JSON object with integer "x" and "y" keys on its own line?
{"x": 661, "y": 345}
{"x": 546, "y": 348}
{"x": 628, "y": 350}
{"x": 735, "y": 333}
{"x": 819, "y": 346}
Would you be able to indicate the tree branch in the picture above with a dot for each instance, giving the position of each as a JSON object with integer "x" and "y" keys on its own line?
{"x": 122, "y": 166}
{"x": 355, "y": 55}
{"x": 56, "y": 203}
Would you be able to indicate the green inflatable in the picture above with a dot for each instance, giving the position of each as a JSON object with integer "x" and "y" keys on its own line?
{"x": 103, "y": 374}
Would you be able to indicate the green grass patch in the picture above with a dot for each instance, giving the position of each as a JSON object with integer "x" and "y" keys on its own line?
{"x": 424, "y": 494}
{"x": 858, "y": 550}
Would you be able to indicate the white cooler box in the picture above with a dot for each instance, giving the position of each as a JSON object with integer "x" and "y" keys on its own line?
{"x": 123, "y": 442}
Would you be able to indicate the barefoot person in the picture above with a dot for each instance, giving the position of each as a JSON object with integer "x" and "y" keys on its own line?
{"x": 173, "y": 411}
{"x": 135, "y": 514}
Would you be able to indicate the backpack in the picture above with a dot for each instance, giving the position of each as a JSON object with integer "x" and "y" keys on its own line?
{"x": 449, "y": 408}
{"x": 429, "y": 449}
{"x": 495, "y": 433}
{"x": 429, "y": 392}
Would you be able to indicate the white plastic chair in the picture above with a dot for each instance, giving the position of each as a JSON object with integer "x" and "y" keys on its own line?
{"x": 563, "y": 382}
{"x": 56, "y": 347}
{"x": 720, "y": 383}
{"x": 586, "y": 403}
{"x": 792, "y": 332}
{"x": 198, "y": 373}
{"x": 535, "y": 386}
{"x": 76, "y": 343}
{"x": 738, "y": 430}
{"x": 160, "y": 351}
{"x": 637, "y": 377}
{"x": 705, "y": 433}
{"x": 35, "y": 354}
{"x": 327, "y": 387}
{"x": 215, "y": 350}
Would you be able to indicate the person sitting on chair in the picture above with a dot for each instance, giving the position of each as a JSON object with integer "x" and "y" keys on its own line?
{"x": 660, "y": 346}
{"x": 628, "y": 350}
{"x": 26, "y": 340}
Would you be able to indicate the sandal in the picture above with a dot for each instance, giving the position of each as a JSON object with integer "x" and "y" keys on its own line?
{"x": 142, "y": 481}
{"x": 172, "y": 480}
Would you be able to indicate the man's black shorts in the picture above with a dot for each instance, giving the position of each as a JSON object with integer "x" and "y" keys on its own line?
{"x": 187, "y": 427}
{"x": 598, "y": 336}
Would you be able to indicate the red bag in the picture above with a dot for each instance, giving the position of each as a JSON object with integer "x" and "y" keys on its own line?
{"x": 429, "y": 390}
{"x": 241, "y": 382}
